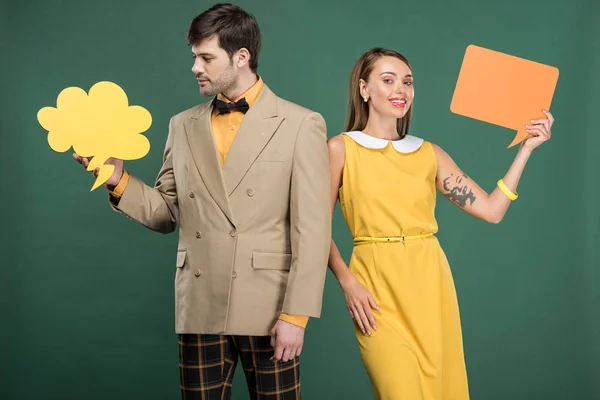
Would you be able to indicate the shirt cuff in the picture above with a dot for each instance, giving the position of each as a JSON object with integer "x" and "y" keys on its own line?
{"x": 117, "y": 192}
{"x": 298, "y": 320}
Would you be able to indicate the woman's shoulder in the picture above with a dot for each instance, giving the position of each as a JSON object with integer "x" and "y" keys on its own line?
{"x": 337, "y": 146}
{"x": 437, "y": 149}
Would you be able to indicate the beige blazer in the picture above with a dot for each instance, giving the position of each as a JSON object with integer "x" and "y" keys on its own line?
{"x": 254, "y": 235}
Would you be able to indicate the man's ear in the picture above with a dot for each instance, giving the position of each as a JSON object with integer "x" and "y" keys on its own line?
{"x": 242, "y": 57}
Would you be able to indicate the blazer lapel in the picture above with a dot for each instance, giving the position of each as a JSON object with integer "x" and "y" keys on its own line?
{"x": 258, "y": 126}
{"x": 204, "y": 152}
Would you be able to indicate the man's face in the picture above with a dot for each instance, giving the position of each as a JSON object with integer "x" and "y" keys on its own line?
{"x": 214, "y": 70}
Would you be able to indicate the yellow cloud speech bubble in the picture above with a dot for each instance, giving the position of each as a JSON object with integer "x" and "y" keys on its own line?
{"x": 99, "y": 125}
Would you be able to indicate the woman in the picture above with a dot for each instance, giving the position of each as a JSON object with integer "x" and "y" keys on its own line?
{"x": 386, "y": 181}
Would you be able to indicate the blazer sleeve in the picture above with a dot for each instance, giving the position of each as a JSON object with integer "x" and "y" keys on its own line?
{"x": 154, "y": 207}
{"x": 310, "y": 219}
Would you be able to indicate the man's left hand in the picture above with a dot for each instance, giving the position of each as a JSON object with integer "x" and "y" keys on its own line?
{"x": 287, "y": 340}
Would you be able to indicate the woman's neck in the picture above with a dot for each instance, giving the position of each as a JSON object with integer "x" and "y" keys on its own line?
{"x": 382, "y": 128}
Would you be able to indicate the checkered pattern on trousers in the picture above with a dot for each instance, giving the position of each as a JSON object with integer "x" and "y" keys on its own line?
{"x": 207, "y": 364}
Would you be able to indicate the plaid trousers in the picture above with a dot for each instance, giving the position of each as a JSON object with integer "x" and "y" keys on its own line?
{"x": 207, "y": 364}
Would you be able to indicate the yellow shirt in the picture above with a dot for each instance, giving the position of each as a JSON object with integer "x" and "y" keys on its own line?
{"x": 225, "y": 127}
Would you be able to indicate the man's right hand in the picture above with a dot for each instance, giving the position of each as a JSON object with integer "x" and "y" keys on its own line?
{"x": 114, "y": 178}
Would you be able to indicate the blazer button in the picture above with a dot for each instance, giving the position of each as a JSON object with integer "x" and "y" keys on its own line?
{"x": 198, "y": 234}
{"x": 250, "y": 192}
{"x": 197, "y": 273}
{"x": 232, "y": 233}
{"x": 234, "y": 274}
{"x": 191, "y": 194}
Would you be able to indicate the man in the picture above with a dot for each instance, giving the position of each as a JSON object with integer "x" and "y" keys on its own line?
{"x": 246, "y": 178}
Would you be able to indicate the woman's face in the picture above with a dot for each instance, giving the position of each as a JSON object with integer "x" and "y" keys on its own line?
{"x": 389, "y": 89}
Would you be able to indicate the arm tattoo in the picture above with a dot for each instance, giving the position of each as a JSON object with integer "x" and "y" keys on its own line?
{"x": 457, "y": 191}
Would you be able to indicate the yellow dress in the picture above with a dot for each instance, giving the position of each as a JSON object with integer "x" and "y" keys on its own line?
{"x": 388, "y": 190}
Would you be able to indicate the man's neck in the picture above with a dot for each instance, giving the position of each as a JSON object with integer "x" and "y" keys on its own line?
{"x": 244, "y": 82}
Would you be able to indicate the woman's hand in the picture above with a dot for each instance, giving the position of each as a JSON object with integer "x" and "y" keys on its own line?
{"x": 359, "y": 302}
{"x": 539, "y": 131}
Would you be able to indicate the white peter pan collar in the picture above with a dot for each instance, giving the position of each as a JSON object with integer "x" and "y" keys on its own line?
{"x": 407, "y": 145}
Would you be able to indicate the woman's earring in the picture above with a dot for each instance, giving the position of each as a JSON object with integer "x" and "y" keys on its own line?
{"x": 365, "y": 99}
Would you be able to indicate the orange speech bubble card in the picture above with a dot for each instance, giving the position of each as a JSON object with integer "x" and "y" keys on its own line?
{"x": 502, "y": 89}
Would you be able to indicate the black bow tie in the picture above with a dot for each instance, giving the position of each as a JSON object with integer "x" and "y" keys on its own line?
{"x": 225, "y": 107}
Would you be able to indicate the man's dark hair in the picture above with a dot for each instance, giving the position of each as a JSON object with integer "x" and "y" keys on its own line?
{"x": 234, "y": 27}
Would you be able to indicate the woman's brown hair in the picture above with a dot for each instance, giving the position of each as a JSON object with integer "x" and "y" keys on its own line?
{"x": 358, "y": 110}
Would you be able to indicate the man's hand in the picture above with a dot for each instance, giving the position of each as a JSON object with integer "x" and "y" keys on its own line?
{"x": 287, "y": 340}
{"x": 116, "y": 176}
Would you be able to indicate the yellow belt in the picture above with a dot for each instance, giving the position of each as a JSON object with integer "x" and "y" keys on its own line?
{"x": 402, "y": 238}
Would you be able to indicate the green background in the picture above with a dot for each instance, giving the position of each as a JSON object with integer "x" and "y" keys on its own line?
{"x": 87, "y": 295}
